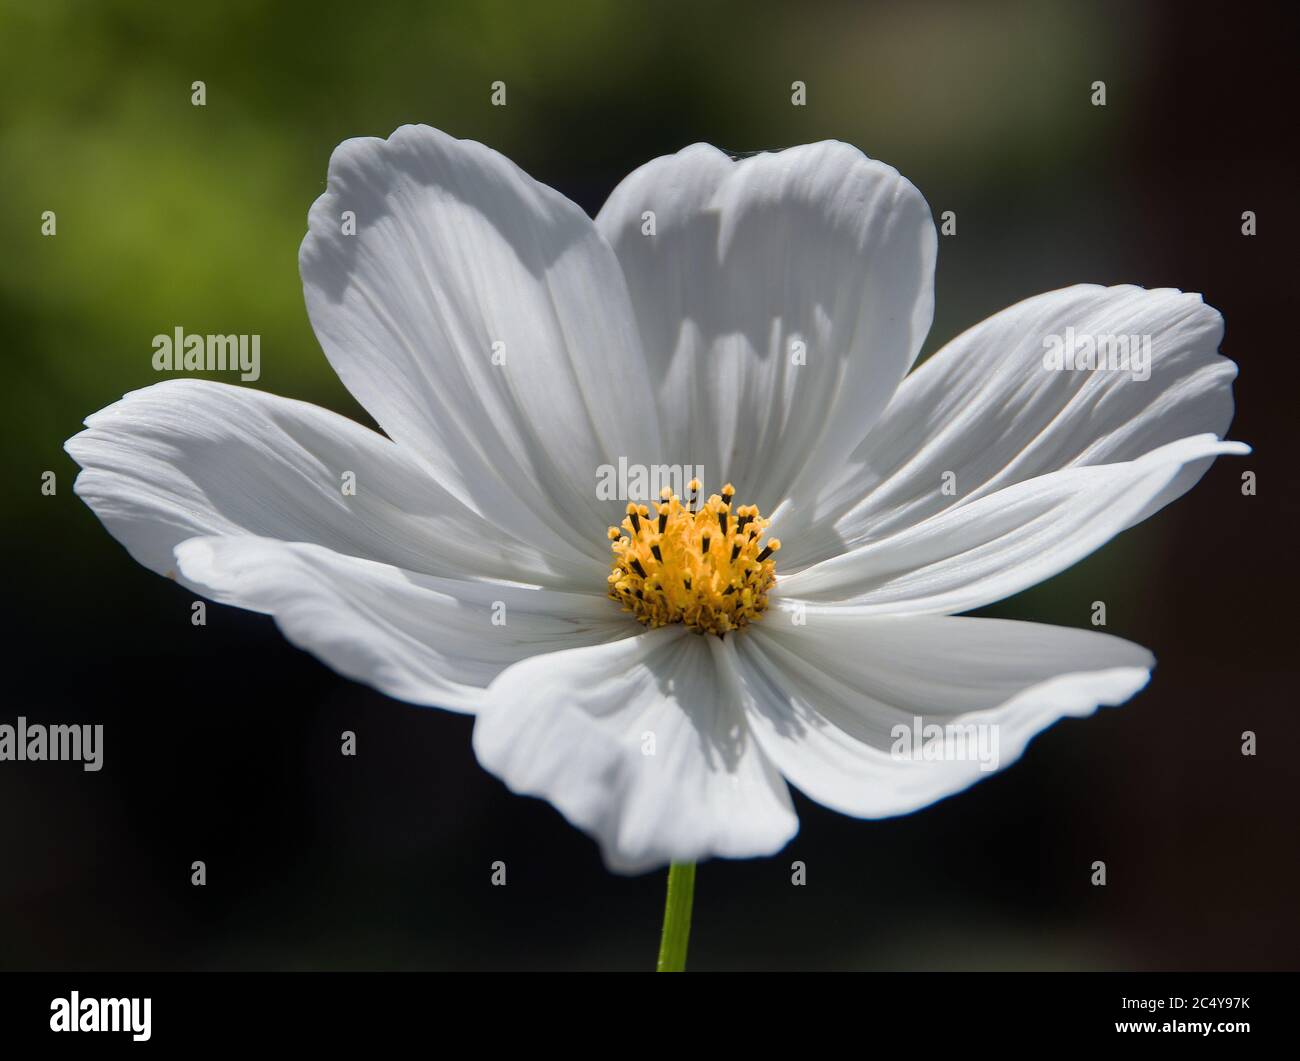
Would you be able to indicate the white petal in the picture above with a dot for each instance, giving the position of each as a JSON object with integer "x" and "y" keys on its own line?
{"x": 574, "y": 728}
{"x": 192, "y": 457}
{"x": 971, "y": 555}
{"x": 985, "y": 409}
{"x": 824, "y": 698}
{"x": 818, "y": 245}
{"x": 457, "y": 250}
{"x": 422, "y": 639}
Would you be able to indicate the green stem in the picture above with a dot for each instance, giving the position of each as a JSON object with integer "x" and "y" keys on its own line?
{"x": 677, "y": 918}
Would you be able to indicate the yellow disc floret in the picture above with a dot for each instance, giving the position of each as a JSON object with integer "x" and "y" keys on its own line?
{"x": 703, "y": 566}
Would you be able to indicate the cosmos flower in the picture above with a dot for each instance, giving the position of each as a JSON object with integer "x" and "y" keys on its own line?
{"x": 660, "y": 667}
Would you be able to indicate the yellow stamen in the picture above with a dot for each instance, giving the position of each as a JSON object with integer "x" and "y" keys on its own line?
{"x": 703, "y": 568}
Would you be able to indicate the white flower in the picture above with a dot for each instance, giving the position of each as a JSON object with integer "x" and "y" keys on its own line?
{"x": 756, "y": 318}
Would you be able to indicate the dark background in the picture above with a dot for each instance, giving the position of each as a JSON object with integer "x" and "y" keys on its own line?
{"x": 222, "y": 742}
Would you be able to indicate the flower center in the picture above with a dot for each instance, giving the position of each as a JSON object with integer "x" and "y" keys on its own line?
{"x": 701, "y": 566}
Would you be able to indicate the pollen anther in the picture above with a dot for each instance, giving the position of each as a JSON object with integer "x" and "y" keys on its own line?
{"x": 693, "y": 565}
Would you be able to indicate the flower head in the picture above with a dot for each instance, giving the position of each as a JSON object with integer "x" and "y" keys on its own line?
{"x": 757, "y": 319}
